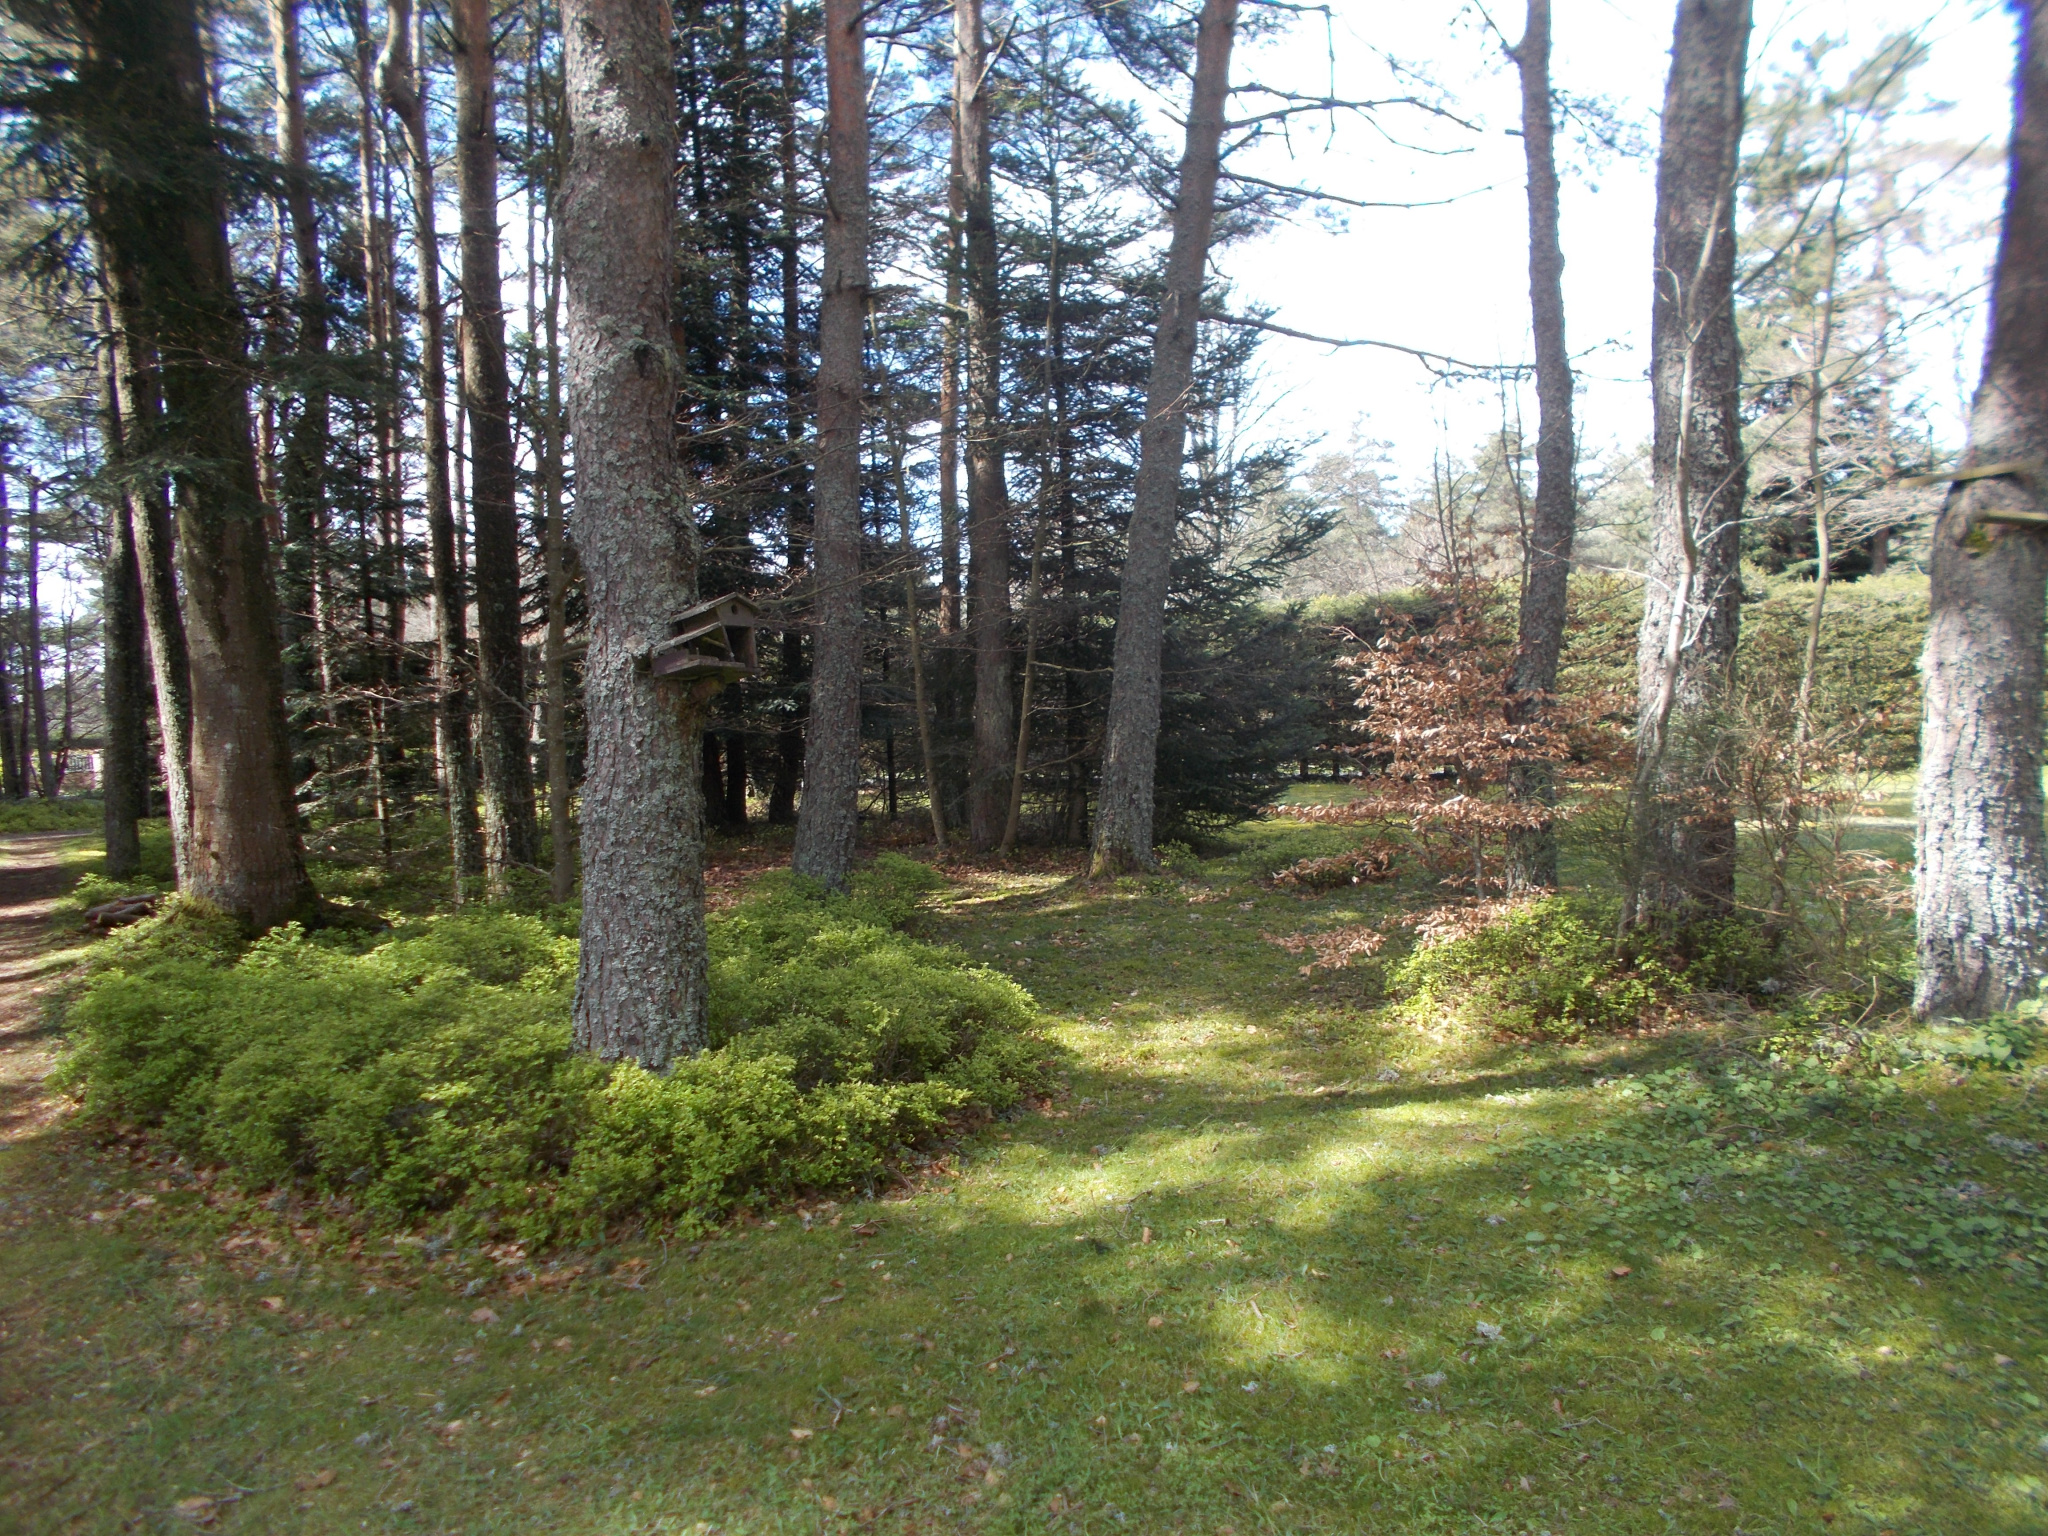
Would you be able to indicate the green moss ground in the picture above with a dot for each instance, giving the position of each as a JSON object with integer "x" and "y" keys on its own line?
{"x": 1242, "y": 1276}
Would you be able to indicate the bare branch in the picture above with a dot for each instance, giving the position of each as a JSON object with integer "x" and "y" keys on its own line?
{"x": 1438, "y": 363}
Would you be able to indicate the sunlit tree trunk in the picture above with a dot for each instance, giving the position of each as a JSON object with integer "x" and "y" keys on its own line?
{"x": 32, "y": 646}
{"x": 170, "y": 232}
{"x": 640, "y": 988}
{"x": 1532, "y": 853}
{"x": 828, "y": 817}
{"x": 139, "y": 404}
{"x": 988, "y": 497}
{"x": 303, "y": 485}
{"x": 1123, "y": 818}
{"x": 1980, "y": 884}
{"x": 511, "y": 832}
{"x": 398, "y": 81}
{"x": 1683, "y": 832}
{"x": 789, "y": 738}
{"x": 949, "y": 400}
{"x": 124, "y": 676}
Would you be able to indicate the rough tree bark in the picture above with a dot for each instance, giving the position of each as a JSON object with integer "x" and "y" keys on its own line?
{"x": 137, "y": 398}
{"x": 146, "y": 67}
{"x": 124, "y": 681}
{"x": 828, "y": 816}
{"x": 304, "y": 481}
{"x": 1123, "y": 817}
{"x": 511, "y": 830}
{"x": 988, "y": 497}
{"x": 32, "y": 646}
{"x": 1683, "y": 833}
{"x": 561, "y": 836}
{"x": 641, "y": 984}
{"x": 1532, "y": 855}
{"x": 13, "y": 777}
{"x": 949, "y": 403}
{"x": 398, "y": 83}
{"x": 1980, "y": 881}
{"x": 789, "y": 737}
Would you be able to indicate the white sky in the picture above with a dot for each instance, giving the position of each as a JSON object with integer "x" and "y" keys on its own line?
{"x": 1454, "y": 279}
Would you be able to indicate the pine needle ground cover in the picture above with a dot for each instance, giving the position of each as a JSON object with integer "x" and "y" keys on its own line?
{"x": 1276, "y": 1256}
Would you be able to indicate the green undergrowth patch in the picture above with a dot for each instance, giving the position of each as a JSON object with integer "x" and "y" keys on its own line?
{"x": 426, "y": 1073}
{"x": 69, "y": 813}
{"x": 1279, "y": 1257}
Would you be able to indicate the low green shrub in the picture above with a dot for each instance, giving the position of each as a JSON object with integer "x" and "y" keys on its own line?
{"x": 1546, "y": 968}
{"x": 71, "y": 813}
{"x": 430, "y": 1074}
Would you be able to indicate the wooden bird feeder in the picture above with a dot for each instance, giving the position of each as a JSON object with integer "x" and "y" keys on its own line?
{"x": 712, "y": 642}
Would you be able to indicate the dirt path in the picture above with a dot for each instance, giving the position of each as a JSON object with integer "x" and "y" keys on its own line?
{"x": 31, "y": 880}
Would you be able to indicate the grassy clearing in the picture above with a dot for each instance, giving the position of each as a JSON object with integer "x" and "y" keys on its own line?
{"x": 1270, "y": 1263}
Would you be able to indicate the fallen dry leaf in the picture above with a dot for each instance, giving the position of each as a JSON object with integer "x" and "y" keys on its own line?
{"x": 199, "y": 1509}
{"x": 1155, "y": 1321}
{"x": 483, "y": 1315}
{"x": 799, "y": 1433}
{"x": 273, "y": 1303}
{"x": 318, "y": 1479}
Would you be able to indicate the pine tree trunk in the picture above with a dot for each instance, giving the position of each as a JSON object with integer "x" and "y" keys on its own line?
{"x": 1980, "y": 882}
{"x": 988, "y": 497}
{"x": 1532, "y": 853}
{"x": 640, "y": 989}
{"x": 829, "y": 815}
{"x": 735, "y": 817}
{"x": 561, "y": 836}
{"x": 32, "y": 646}
{"x": 170, "y": 231}
{"x": 398, "y": 82}
{"x": 510, "y": 830}
{"x": 13, "y": 776}
{"x": 1123, "y": 817}
{"x": 137, "y": 396}
{"x": 302, "y": 491}
{"x": 789, "y": 739}
{"x": 124, "y": 674}
{"x": 949, "y": 402}
{"x": 1683, "y": 831}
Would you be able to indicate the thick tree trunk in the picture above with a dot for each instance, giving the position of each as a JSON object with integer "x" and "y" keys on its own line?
{"x": 145, "y": 62}
{"x": 302, "y": 492}
{"x": 1980, "y": 882}
{"x": 139, "y": 401}
{"x": 1532, "y": 854}
{"x": 398, "y": 82}
{"x": 1123, "y": 818}
{"x": 641, "y": 985}
{"x": 988, "y": 497}
{"x": 829, "y": 815}
{"x": 511, "y": 833}
{"x": 1683, "y": 831}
